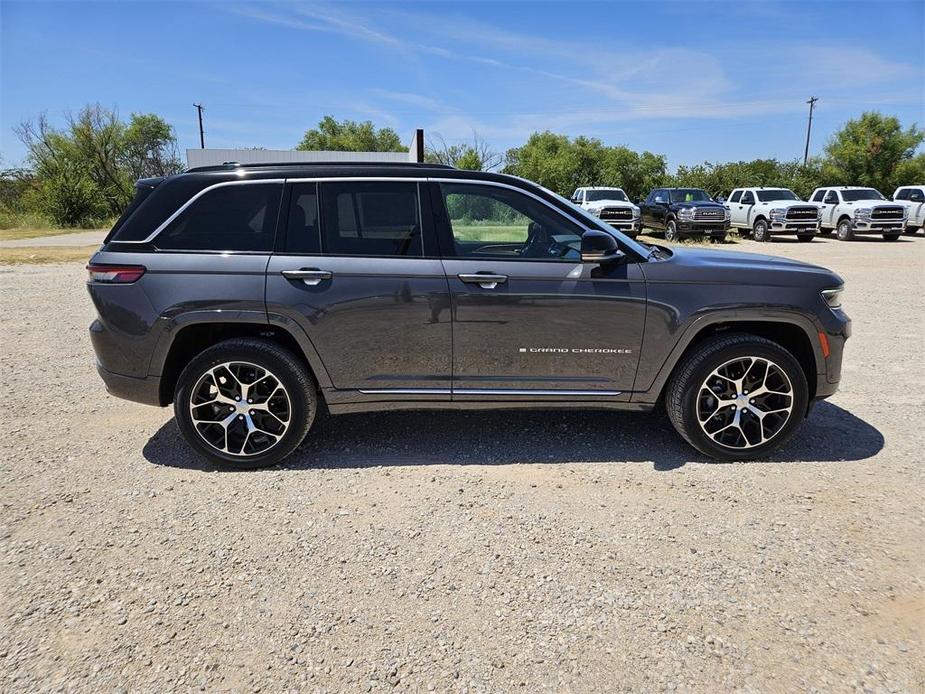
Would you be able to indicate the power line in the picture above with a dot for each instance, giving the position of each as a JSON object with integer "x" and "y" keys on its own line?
{"x": 809, "y": 127}
{"x": 202, "y": 139}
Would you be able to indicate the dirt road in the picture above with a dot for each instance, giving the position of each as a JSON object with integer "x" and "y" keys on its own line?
{"x": 478, "y": 552}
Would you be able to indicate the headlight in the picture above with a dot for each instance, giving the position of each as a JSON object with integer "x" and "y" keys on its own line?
{"x": 862, "y": 212}
{"x": 685, "y": 214}
{"x": 778, "y": 214}
{"x": 832, "y": 297}
{"x": 635, "y": 213}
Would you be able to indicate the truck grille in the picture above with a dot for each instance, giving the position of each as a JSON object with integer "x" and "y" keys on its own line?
{"x": 802, "y": 213}
{"x": 618, "y": 214}
{"x": 710, "y": 213}
{"x": 887, "y": 213}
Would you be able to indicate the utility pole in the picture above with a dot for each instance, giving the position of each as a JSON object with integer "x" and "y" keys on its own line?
{"x": 202, "y": 139}
{"x": 809, "y": 126}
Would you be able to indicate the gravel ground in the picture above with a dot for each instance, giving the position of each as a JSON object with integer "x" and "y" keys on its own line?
{"x": 464, "y": 552}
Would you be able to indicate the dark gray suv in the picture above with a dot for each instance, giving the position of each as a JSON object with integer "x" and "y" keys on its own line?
{"x": 252, "y": 296}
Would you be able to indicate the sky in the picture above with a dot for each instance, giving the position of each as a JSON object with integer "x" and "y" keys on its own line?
{"x": 695, "y": 81}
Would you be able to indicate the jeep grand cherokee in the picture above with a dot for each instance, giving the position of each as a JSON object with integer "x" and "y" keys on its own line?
{"x": 250, "y": 297}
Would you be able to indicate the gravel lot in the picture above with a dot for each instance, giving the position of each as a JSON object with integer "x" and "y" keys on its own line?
{"x": 476, "y": 552}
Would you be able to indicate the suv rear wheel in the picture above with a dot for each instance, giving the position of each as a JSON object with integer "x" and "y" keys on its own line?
{"x": 737, "y": 397}
{"x": 245, "y": 403}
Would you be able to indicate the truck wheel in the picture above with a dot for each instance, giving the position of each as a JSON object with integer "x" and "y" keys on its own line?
{"x": 671, "y": 230}
{"x": 245, "y": 403}
{"x": 891, "y": 237}
{"x": 760, "y": 231}
{"x": 843, "y": 230}
{"x": 737, "y": 397}
{"x": 806, "y": 238}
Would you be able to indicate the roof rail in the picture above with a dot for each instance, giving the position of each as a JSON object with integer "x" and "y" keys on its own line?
{"x": 310, "y": 164}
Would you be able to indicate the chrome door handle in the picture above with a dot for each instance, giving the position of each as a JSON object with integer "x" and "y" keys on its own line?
{"x": 310, "y": 276}
{"x": 485, "y": 280}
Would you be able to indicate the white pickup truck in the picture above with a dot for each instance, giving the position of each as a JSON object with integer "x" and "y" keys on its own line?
{"x": 611, "y": 205}
{"x": 853, "y": 210}
{"x": 913, "y": 199}
{"x": 766, "y": 212}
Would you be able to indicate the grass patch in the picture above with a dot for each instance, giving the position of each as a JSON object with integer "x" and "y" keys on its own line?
{"x": 35, "y": 233}
{"x": 43, "y": 255}
{"x": 516, "y": 233}
{"x": 731, "y": 240}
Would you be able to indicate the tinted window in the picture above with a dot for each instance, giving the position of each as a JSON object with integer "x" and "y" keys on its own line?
{"x": 861, "y": 194}
{"x": 818, "y": 195}
{"x": 236, "y": 217}
{"x": 735, "y": 196}
{"x": 916, "y": 195}
{"x": 902, "y": 194}
{"x": 606, "y": 194}
{"x": 303, "y": 233}
{"x": 778, "y": 194}
{"x": 369, "y": 218}
{"x": 689, "y": 195}
{"x": 831, "y": 198}
{"x": 493, "y": 222}
{"x": 748, "y": 198}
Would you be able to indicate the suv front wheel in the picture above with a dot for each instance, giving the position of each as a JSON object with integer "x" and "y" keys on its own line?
{"x": 245, "y": 403}
{"x": 737, "y": 397}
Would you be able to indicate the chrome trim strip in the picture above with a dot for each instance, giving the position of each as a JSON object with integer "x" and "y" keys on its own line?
{"x": 488, "y": 391}
{"x": 406, "y": 391}
{"x": 505, "y": 391}
{"x": 193, "y": 199}
{"x": 341, "y": 179}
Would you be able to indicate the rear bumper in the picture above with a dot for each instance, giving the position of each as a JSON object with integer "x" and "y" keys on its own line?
{"x": 144, "y": 390}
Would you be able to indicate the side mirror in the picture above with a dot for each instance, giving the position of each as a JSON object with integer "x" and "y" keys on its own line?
{"x": 659, "y": 200}
{"x": 574, "y": 200}
{"x": 600, "y": 247}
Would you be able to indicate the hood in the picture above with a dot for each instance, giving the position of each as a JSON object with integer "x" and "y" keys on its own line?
{"x": 735, "y": 267}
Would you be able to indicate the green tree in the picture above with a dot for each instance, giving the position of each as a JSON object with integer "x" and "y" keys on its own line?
{"x": 350, "y": 136}
{"x": 474, "y": 156}
{"x": 871, "y": 151}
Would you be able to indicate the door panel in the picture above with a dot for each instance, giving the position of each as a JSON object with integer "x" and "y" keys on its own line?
{"x": 376, "y": 323}
{"x": 552, "y": 326}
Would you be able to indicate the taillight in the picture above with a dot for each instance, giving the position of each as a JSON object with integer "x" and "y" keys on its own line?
{"x": 115, "y": 274}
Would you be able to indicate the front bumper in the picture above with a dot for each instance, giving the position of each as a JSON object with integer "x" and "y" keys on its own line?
{"x": 892, "y": 226}
{"x": 837, "y": 333}
{"x": 630, "y": 228}
{"x": 798, "y": 228}
{"x": 710, "y": 228}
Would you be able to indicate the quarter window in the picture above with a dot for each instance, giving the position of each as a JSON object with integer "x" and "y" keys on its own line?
{"x": 371, "y": 218}
{"x": 303, "y": 235}
{"x": 494, "y": 222}
{"x": 735, "y": 196}
{"x": 235, "y": 217}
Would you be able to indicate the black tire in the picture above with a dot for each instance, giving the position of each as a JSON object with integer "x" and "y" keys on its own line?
{"x": 891, "y": 237}
{"x": 760, "y": 231}
{"x": 671, "y": 231}
{"x": 843, "y": 231}
{"x": 825, "y": 232}
{"x": 284, "y": 366}
{"x": 806, "y": 238}
{"x": 684, "y": 389}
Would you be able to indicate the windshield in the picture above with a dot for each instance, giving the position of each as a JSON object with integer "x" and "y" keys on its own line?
{"x": 780, "y": 194}
{"x": 606, "y": 194}
{"x": 861, "y": 194}
{"x": 689, "y": 195}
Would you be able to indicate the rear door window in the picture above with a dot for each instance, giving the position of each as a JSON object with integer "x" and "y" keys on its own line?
{"x": 232, "y": 217}
{"x": 371, "y": 219}
{"x": 303, "y": 231}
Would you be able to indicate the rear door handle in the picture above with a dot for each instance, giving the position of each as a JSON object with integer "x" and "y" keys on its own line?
{"x": 310, "y": 276}
{"x": 486, "y": 280}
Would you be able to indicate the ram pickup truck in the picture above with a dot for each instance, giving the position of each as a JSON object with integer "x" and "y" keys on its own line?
{"x": 611, "y": 205}
{"x": 853, "y": 210}
{"x": 680, "y": 212}
{"x": 763, "y": 212}
{"x": 913, "y": 199}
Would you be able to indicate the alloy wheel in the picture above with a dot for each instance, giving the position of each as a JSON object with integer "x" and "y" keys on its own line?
{"x": 745, "y": 402}
{"x": 671, "y": 231}
{"x": 240, "y": 409}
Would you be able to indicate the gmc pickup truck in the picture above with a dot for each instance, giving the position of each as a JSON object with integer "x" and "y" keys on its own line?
{"x": 680, "y": 212}
{"x": 763, "y": 212}
{"x": 913, "y": 199}
{"x": 851, "y": 210}
{"x": 611, "y": 205}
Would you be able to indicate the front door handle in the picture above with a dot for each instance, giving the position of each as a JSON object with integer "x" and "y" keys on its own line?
{"x": 486, "y": 280}
{"x": 310, "y": 276}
